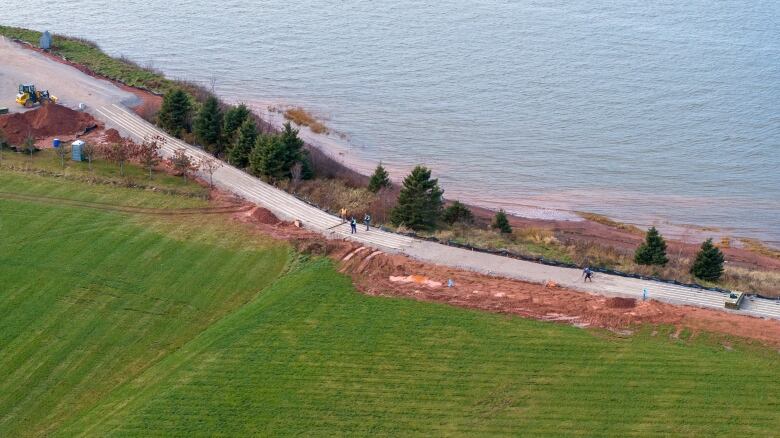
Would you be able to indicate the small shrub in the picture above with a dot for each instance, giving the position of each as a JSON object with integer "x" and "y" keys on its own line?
{"x": 457, "y": 212}
{"x": 501, "y": 222}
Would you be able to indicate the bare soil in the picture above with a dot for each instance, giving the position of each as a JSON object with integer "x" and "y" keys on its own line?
{"x": 48, "y": 120}
{"x": 380, "y": 274}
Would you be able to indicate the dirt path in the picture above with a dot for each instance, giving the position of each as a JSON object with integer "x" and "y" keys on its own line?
{"x": 71, "y": 86}
{"x": 227, "y": 209}
{"x": 105, "y": 100}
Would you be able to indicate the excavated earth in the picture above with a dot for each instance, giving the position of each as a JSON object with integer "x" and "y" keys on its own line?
{"x": 378, "y": 273}
{"x": 45, "y": 121}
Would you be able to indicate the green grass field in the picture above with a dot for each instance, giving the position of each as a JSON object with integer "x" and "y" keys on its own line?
{"x": 149, "y": 325}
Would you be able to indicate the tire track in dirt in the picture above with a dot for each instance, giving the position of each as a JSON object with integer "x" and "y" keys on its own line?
{"x": 103, "y": 206}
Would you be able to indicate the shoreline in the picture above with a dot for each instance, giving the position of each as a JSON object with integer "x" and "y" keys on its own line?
{"x": 339, "y": 151}
{"x": 337, "y": 148}
{"x": 572, "y": 225}
{"x": 682, "y": 239}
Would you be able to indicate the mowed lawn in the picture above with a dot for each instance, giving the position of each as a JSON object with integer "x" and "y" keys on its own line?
{"x": 89, "y": 298}
{"x": 177, "y": 327}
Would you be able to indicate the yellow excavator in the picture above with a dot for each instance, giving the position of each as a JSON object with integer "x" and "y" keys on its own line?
{"x": 29, "y": 96}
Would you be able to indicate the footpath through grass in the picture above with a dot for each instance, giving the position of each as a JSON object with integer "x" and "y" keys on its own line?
{"x": 119, "y": 324}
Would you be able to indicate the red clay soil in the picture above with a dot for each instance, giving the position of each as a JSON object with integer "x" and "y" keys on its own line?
{"x": 111, "y": 135}
{"x": 621, "y": 303}
{"x": 379, "y": 274}
{"x": 48, "y": 120}
{"x": 150, "y": 102}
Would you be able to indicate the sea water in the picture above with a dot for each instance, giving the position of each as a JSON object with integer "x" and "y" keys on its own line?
{"x": 663, "y": 112}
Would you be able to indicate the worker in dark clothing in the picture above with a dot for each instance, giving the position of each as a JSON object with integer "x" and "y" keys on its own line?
{"x": 367, "y": 220}
{"x": 588, "y": 274}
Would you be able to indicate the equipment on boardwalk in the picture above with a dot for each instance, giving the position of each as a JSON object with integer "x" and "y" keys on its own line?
{"x": 734, "y": 300}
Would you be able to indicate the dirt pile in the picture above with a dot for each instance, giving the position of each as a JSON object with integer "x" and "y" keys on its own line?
{"x": 621, "y": 303}
{"x": 48, "y": 120}
{"x": 111, "y": 136}
{"x": 264, "y": 216}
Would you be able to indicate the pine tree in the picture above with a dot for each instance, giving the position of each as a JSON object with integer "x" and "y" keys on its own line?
{"x": 420, "y": 201}
{"x": 457, "y": 212}
{"x": 208, "y": 126}
{"x": 379, "y": 180}
{"x": 653, "y": 250}
{"x": 293, "y": 151}
{"x": 175, "y": 112}
{"x": 501, "y": 223}
{"x": 243, "y": 144}
{"x": 267, "y": 157}
{"x": 233, "y": 119}
{"x": 709, "y": 262}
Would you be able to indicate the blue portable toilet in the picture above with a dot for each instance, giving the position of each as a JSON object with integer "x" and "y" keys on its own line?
{"x": 56, "y": 143}
{"x": 45, "y": 40}
{"x": 76, "y": 150}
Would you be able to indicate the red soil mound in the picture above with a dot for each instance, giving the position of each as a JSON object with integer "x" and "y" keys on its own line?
{"x": 46, "y": 121}
{"x": 112, "y": 136}
{"x": 621, "y": 303}
{"x": 264, "y": 216}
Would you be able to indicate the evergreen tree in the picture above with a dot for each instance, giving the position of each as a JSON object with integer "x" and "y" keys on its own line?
{"x": 175, "y": 112}
{"x": 243, "y": 144}
{"x": 420, "y": 201}
{"x": 233, "y": 119}
{"x": 709, "y": 262}
{"x": 208, "y": 126}
{"x": 294, "y": 152}
{"x": 501, "y": 223}
{"x": 267, "y": 158}
{"x": 457, "y": 212}
{"x": 653, "y": 250}
{"x": 379, "y": 180}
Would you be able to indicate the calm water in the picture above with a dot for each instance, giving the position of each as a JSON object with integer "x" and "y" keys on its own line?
{"x": 664, "y": 111}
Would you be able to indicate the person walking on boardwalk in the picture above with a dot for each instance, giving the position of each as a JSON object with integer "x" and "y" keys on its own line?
{"x": 343, "y": 214}
{"x": 367, "y": 220}
{"x": 588, "y": 274}
{"x": 353, "y": 225}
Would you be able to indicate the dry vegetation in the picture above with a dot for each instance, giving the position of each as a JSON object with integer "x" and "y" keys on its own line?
{"x": 537, "y": 242}
{"x": 601, "y": 219}
{"x": 301, "y": 117}
{"x": 334, "y": 194}
{"x": 759, "y": 248}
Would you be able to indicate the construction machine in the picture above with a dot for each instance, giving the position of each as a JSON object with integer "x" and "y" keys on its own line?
{"x": 734, "y": 300}
{"x": 29, "y": 96}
